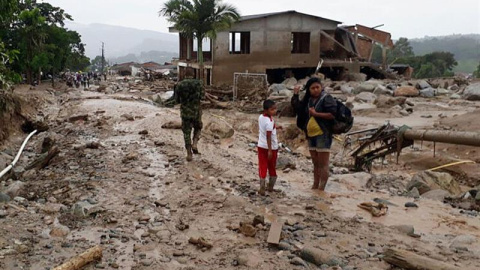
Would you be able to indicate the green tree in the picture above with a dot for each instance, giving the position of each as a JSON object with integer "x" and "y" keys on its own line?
{"x": 200, "y": 19}
{"x": 436, "y": 64}
{"x": 401, "y": 49}
{"x": 96, "y": 64}
{"x": 476, "y": 73}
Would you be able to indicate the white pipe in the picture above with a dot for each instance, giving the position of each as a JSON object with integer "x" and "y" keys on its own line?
{"x": 17, "y": 157}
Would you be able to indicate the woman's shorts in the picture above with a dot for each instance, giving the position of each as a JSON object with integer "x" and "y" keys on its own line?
{"x": 321, "y": 143}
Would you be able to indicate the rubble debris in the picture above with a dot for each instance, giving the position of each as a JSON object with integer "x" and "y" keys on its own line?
{"x": 376, "y": 209}
{"x": 200, "y": 242}
{"x": 44, "y": 159}
{"x": 219, "y": 129}
{"x": 79, "y": 117}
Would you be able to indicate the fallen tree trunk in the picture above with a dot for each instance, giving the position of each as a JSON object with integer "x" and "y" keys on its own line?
{"x": 219, "y": 92}
{"x": 411, "y": 261}
{"x": 219, "y": 104}
{"x": 42, "y": 161}
{"x": 78, "y": 262}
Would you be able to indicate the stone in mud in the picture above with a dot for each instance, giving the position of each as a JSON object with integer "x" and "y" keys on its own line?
{"x": 463, "y": 241}
{"x": 383, "y": 101}
{"x": 83, "y": 209}
{"x": 406, "y": 91}
{"x": 258, "y": 220}
{"x": 366, "y": 97}
{"x": 298, "y": 261}
{"x": 427, "y": 93}
{"x": 82, "y": 117}
{"x": 319, "y": 257}
{"x": 4, "y": 198}
{"x": 3, "y": 213}
{"x": 436, "y": 195}
{"x": 472, "y": 92}
{"x": 406, "y": 229}
{"x": 285, "y": 246}
{"x": 411, "y": 205}
{"x": 14, "y": 189}
{"x": 59, "y": 230}
{"x": 172, "y": 125}
{"x": 346, "y": 89}
{"x": 129, "y": 117}
{"x": 284, "y": 162}
{"x": 220, "y": 130}
{"x": 427, "y": 180}
{"x": 365, "y": 87}
{"x": 143, "y": 132}
{"x": 247, "y": 230}
{"x": 413, "y": 193}
{"x": 423, "y": 84}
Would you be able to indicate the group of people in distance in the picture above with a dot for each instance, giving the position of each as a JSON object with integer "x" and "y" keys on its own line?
{"x": 317, "y": 109}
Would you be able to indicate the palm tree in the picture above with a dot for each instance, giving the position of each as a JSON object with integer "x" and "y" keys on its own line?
{"x": 199, "y": 19}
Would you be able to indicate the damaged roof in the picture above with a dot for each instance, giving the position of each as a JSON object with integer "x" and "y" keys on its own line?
{"x": 266, "y": 15}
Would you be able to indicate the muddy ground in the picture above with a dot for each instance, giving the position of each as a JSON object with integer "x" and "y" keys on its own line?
{"x": 133, "y": 193}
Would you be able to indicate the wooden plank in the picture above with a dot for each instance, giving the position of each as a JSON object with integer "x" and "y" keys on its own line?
{"x": 78, "y": 262}
{"x": 411, "y": 261}
{"x": 275, "y": 232}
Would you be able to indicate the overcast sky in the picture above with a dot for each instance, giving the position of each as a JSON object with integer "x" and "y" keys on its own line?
{"x": 407, "y": 18}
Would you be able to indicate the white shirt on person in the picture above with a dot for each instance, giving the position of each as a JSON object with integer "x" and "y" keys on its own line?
{"x": 265, "y": 124}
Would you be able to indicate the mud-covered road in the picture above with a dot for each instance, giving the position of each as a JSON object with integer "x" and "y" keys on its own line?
{"x": 120, "y": 181}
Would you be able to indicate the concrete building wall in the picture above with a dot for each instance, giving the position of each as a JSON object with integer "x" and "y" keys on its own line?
{"x": 270, "y": 46}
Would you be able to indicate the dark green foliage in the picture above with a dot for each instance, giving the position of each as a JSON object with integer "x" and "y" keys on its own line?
{"x": 35, "y": 40}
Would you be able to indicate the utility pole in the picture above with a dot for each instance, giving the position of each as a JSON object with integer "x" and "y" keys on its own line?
{"x": 103, "y": 59}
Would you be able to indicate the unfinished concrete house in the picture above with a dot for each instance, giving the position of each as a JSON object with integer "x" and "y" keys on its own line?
{"x": 281, "y": 45}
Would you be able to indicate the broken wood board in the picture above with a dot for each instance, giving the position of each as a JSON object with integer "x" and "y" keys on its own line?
{"x": 78, "y": 262}
{"x": 275, "y": 232}
{"x": 411, "y": 261}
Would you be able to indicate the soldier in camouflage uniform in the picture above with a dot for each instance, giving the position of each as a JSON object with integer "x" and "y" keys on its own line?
{"x": 189, "y": 93}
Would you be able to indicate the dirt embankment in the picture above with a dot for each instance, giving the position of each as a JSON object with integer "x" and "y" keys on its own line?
{"x": 10, "y": 114}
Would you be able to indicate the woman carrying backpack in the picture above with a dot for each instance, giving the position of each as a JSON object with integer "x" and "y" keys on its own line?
{"x": 316, "y": 117}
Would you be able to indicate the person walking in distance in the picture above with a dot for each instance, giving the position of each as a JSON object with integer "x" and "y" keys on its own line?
{"x": 267, "y": 146}
{"x": 189, "y": 94}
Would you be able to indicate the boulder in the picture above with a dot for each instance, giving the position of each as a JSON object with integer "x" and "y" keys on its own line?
{"x": 284, "y": 162}
{"x": 406, "y": 91}
{"x": 453, "y": 88}
{"x": 366, "y": 97}
{"x": 427, "y": 180}
{"x": 455, "y": 96}
{"x": 365, "y": 87}
{"x": 166, "y": 95}
{"x": 472, "y": 92}
{"x": 14, "y": 189}
{"x": 423, "y": 85}
{"x": 346, "y": 89}
{"x": 220, "y": 129}
{"x": 319, "y": 257}
{"x": 277, "y": 87}
{"x": 383, "y": 101}
{"x": 406, "y": 229}
{"x": 436, "y": 195}
{"x": 286, "y": 93}
{"x": 392, "y": 86}
{"x": 382, "y": 90}
{"x": 442, "y": 92}
{"x": 290, "y": 82}
{"x": 427, "y": 92}
{"x": 463, "y": 241}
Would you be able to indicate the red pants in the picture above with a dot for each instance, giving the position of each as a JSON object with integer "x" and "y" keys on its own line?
{"x": 264, "y": 164}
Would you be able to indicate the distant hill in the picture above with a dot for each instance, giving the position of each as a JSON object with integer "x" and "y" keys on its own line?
{"x": 143, "y": 57}
{"x": 466, "y": 49}
{"x": 122, "y": 41}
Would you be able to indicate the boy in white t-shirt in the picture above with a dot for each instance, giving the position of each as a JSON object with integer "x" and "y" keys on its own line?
{"x": 267, "y": 146}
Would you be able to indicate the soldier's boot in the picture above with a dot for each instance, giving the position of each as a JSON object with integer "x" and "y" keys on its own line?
{"x": 271, "y": 183}
{"x": 261, "y": 191}
{"x": 196, "y": 138}
{"x": 189, "y": 153}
